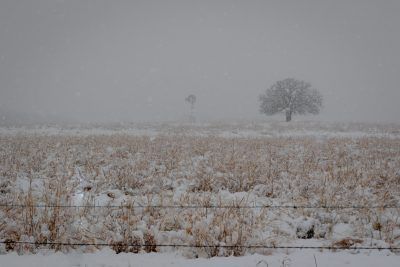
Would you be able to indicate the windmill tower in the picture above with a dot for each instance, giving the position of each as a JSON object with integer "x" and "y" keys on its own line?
{"x": 191, "y": 99}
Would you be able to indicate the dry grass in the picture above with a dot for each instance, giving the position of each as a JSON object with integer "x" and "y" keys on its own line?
{"x": 122, "y": 169}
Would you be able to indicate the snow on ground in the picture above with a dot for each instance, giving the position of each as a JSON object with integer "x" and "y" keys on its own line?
{"x": 108, "y": 258}
{"x": 301, "y": 164}
{"x": 228, "y": 130}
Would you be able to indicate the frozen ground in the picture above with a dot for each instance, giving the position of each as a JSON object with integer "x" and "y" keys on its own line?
{"x": 126, "y": 184}
{"x": 230, "y": 130}
{"x": 107, "y": 258}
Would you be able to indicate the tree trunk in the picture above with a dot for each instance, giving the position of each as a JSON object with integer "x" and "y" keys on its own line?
{"x": 288, "y": 115}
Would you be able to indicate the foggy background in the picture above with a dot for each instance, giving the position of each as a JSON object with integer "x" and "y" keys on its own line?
{"x": 128, "y": 60}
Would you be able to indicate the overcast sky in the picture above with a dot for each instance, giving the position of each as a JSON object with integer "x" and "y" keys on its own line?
{"x": 138, "y": 60}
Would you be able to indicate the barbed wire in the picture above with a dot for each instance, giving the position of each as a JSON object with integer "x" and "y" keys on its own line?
{"x": 198, "y": 246}
{"x": 205, "y": 206}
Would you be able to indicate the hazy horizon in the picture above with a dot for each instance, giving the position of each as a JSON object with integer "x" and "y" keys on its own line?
{"x": 121, "y": 61}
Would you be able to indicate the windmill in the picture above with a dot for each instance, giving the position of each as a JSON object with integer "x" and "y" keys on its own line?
{"x": 191, "y": 99}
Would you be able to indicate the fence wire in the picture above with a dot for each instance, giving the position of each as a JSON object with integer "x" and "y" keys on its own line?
{"x": 206, "y": 206}
{"x": 359, "y": 207}
{"x": 198, "y": 246}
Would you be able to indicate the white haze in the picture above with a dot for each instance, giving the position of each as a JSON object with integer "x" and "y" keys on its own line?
{"x": 99, "y": 60}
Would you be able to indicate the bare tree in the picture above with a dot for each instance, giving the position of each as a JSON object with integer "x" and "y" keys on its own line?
{"x": 191, "y": 99}
{"x": 292, "y": 97}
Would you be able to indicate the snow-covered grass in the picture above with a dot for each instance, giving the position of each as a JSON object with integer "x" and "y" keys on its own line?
{"x": 108, "y": 258}
{"x": 129, "y": 172}
{"x": 247, "y": 129}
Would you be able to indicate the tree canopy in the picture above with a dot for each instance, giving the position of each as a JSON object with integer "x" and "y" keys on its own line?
{"x": 292, "y": 97}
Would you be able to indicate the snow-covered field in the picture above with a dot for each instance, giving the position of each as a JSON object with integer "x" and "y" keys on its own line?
{"x": 244, "y": 129}
{"x": 231, "y": 188}
{"x": 108, "y": 258}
